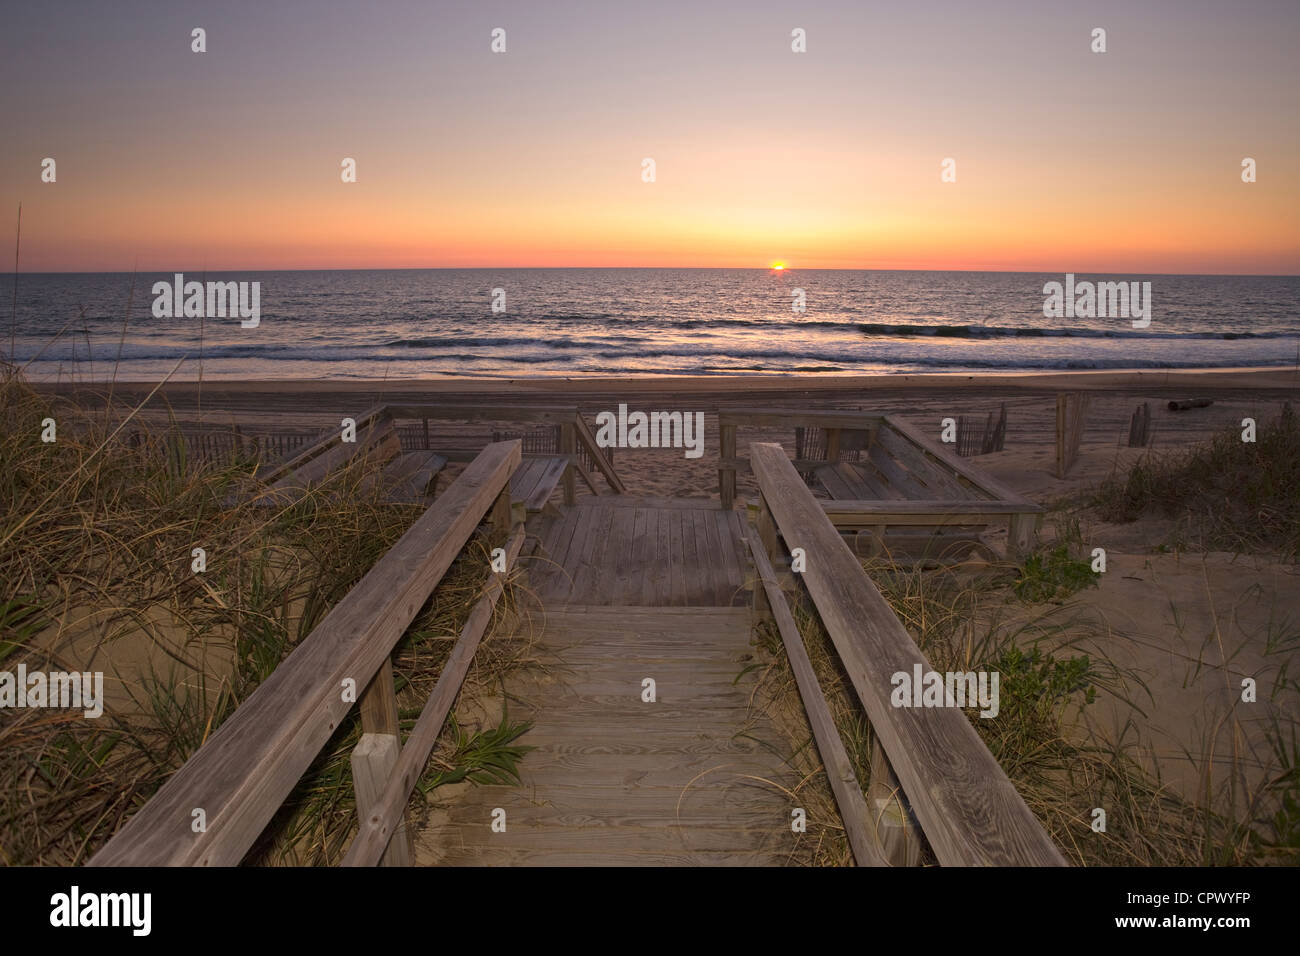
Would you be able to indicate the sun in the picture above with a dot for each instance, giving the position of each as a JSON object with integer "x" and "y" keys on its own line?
{"x": 778, "y": 266}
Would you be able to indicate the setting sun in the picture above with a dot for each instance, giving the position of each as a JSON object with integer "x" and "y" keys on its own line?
{"x": 778, "y": 266}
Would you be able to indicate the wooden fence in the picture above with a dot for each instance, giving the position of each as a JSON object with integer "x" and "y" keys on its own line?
{"x": 1071, "y": 419}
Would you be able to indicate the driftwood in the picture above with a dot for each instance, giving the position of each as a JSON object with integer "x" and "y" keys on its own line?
{"x": 1183, "y": 404}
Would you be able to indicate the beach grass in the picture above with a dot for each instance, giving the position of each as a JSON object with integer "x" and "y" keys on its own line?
{"x": 1226, "y": 494}
{"x": 96, "y": 554}
{"x": 1018, "y": 619}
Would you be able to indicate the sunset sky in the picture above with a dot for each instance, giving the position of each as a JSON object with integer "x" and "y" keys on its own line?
{"x": 1128, "y": 161}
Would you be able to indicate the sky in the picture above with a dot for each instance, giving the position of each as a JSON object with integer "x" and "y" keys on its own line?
{"x": 1126, "y": 161}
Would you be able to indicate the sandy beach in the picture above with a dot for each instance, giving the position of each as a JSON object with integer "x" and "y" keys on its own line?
{"x": 1154, "y": 613}
{"x": 923, "y": 400}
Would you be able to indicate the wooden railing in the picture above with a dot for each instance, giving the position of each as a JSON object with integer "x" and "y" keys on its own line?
{"x": 574, "y": 435}
{"x": 240, "y": 777}
{"x": 835, "y": 423}
{"x": 951, "y": 492}
{"x": 966, "y": 806}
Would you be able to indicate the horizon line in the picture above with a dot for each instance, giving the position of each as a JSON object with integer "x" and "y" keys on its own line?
{"x": 785, "y": 270}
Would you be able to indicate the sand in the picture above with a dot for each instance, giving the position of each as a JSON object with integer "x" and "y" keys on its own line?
{"x": 1192, "y": 626}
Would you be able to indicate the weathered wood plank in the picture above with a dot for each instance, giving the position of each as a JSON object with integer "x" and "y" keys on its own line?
{"x": 878, "y": 486}
{"x": 408, "y": 477}
{"x": 981, "y": 482}
{"x": 547, "y": 481}
{"x": 676, "y": 558}
{"x": 249, "y": 765}
{"x": 970, "y": 811}
{"x": 835, "y": 759}
{"x": 619, "y": 563}
{"x": 694, "y": 777}
{"x": 378, "y": 442}
{"x": 587, "y": 572}
{"x": 364, "y": 423}
{"x": 383, "y": 820}
{"x": 939, "y": 483}
{"x": 651, "y": 565}
{"x": 898, "y": 476}
{"x": 524, "y": 480}
{"x": 833, "y": 481}
{"x": 727, "y": 530}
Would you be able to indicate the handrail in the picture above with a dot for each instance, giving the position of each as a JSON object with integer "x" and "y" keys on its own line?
{"x": 968, "y": 809}
{"x": 588, "y": 441}
{"x": 381, "y": 822}
{"x": 568, "y": 417}
{"x": 835, "y": 421}
{"x": 863, "y": 840}
{"x": 980, "y": 479}
{"x": 363, "y": 422}
{"x": 240, "y": 777}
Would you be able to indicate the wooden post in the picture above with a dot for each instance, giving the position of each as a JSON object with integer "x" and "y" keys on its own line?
{"x": 379, "y": 702}
{"x": 1060, "y": 435}
{"x": 895, "y": 828}
{"x": 502, "y": 513}
{"x": 1071, "y": 417}
{"x": 373, "y": 762}
{"x": 426, "y": 434}
{"x": 569, "y": 446}
{"x": 832, "y": 445}
{"x": 1140, "y": 426}
{"x": 727, "y": 471}
{"x": 1021, "y": 532}
{"x": 374, "y": 758}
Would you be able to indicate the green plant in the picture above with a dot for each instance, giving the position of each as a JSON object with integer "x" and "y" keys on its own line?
{"x": 486, "y": 757}
{"x": 1053, "y": 575}
{"x": 1035, "y": 684}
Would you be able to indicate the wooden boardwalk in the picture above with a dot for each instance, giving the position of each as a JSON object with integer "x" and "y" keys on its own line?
{"x": 635, "y": 589}
{"x": 648, "y": 552}
{"x": 650, "y": 743}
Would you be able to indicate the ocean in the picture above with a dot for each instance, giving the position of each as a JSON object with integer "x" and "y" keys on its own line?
{"x": 417, "y": 323}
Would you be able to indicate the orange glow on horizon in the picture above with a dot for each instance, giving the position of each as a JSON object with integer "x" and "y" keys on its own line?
{"x": 535, "y": 160}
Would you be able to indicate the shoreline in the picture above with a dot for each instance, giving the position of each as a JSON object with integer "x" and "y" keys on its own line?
{"x": 1245, "y": 378}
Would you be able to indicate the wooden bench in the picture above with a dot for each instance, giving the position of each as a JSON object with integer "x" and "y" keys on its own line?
{"x": 535, "y": 479}
{"x": 412, "y": 477}
{"x": 403, "y": 477}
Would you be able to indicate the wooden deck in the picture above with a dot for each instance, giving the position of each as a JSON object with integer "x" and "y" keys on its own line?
{"x": 650, "y": 745}
{"x": 635, "y": 588}
{"x": 647, "y": 552}
{"x": 693, "y": 778}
